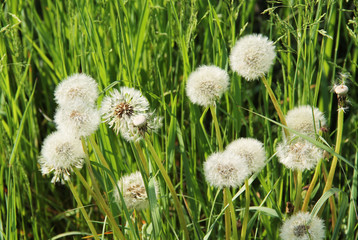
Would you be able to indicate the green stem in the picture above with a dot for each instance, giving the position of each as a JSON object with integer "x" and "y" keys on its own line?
{"x": 311, "y": 187}
{"x": 275, "y": 104}
{"x": 83, "y": 211}
{"x": 247, "y": 209}
{"x": 337, "y": 150}
{"x": 142, "y": 157}
{"x": 169, "y": 185}
{"x": 227, "y": 215}
{"x": 298, "y": 191}
{"x": 217, "y": 128}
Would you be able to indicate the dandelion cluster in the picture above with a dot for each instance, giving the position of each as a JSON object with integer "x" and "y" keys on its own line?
{"x": 206, "y": 85}
{"x": 127, "y": 112}
{"x": 252, "y": 56}
{"x": 133, "y": 191}
{"x": 302, "y": 227}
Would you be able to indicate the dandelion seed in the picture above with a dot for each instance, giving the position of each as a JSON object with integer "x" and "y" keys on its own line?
{"x": 60, "y": 153}
{"x": 78, "y": 88}
{"x": 225, "y": 170}
{"x": 302, "y": 120}
{"x": 301, "y": 154}
{"x": 79, "y": 121}
{"x": 118, "y": 108}
{"x": 301, "y": 227}
{"x": 252, "y": 56}
{"x": 133, "y": 190}
{"x": 251, "y": 150}
{"x": 135, "y": 129}
{"x": 206, "y": 85}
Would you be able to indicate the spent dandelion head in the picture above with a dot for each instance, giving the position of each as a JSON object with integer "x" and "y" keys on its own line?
{"x": 252, "y": 56}
{"x": 133, "y": 191}
{"x": 301, "y": 227}
{"x": 225, "y": 170}
{"x": 77, "y": 88}
{"x": 79, "y": 121}
{"x": 206, "y": 85}
{"x": 59, "y": 154}
{"x": 299, "y": 154}
{"x": 305, "y": 119}
{"x": 251, "y": 150}
{"x": 118, "y": 108}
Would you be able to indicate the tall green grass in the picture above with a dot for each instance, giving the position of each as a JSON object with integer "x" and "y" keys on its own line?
{"x": 153, "y": 46}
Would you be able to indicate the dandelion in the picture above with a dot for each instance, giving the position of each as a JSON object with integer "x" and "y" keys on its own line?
{"x": 79, "y": 121}
{"x": 136, "y": 128}
{"x": 206, "y": 85}
{"x": 252, "y": 56}
{"x": 78, "y": 88}
{"x": 300, "y": 155}
{"x": 60, "y": 153}
{"x": 301, "y": 227}
{"x": 133, "y": 191}
{"x": 225, "y": 170}
{"x": 305, "y": 119}
{"x": 118, "y": 108}
{"x": 251, "y": 150}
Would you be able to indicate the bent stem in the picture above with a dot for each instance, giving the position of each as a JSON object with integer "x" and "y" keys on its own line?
{"x": 169, "y": 185}
{"x": 83, "y": 211}
{"x": 311, "y": 187}
{"x": 275, "y": 104}
{"x": 298, "y": 191}
{"x": 328, "y": 185}
{"x": 247, "y": 209}
{"x": 217, "y": 127}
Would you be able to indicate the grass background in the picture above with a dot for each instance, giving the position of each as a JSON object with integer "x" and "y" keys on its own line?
{"x": 153, "y": 46}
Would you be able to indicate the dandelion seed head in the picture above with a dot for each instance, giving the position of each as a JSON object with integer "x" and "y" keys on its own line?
{"x": 79, "y": 121}
{"x": 302, "y": 120}
{"x": 225, "y": 170}
{"x": 77, "y": 88}
{"x": 340, "y": 90}
{"x": 206, "y": 85}
{"x": 118, "y": 108}
{"x": 251, "y": 150}
{"x": 252, "y": 56}
{"x": 301, "y": 227}
{"x": 301, "y": 154}
{"x": 60, "y": 153}
{"x": 133, "y": 190}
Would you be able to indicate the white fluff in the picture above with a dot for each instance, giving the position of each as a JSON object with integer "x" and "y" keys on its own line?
{"x": 252, "y": 56}
{"x": 301, "y": 227}
{"x": 206, "y": 85}
{"x": 60, "y": 153}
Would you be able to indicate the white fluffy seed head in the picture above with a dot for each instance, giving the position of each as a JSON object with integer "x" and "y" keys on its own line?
{"x": 301, "y": 154}
{"x": 305, "y": 119}
{"x": 225, "y": 170}
{"x": 135, "y": 128}
{"x": 78, "y": 120}
{"x": 206, "y": 85}
{"x": 133, "y": 190}
{"x": 78, "y": 88}
{"x": 60, "y": 153}
{"x": 252, "y": 56}
{"x": 121, "y": 106}
{"x": 341, "y": 90}
{"x": 301, "y": 227}
{"x": 251, "y": 150}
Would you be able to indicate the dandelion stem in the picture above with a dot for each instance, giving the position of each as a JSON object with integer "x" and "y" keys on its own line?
{"x": 217, "y": 127}
{"x": 227, "y": 215}
{"x": 169, "y": 185}
{"x": 233, "y": 217}
{"x": 275, "y": 103}
{"x": 247, "y": 209}
{"x": 311, "y": 187}
{"x": 82, "y": 209}
{"x": 142, "y": 157}
{"x": 337, "y": 150}
{"x": 298, "y": 191}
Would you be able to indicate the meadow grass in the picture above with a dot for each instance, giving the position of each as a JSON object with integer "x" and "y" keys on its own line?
{"x": 153, "y": 46}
